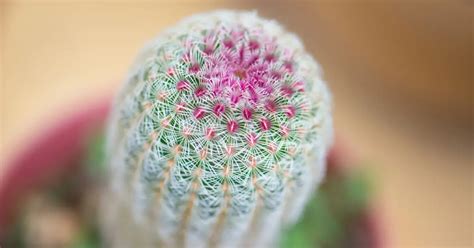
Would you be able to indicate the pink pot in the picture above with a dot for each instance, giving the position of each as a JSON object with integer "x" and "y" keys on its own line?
{"x": 57, "y": 149}
{"x": 60, "y": 147}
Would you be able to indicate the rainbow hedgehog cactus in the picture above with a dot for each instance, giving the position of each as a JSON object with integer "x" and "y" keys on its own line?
{"x": 218, "y": 137}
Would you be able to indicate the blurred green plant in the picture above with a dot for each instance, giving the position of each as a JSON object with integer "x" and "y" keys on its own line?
{"x": 332, "y": 213}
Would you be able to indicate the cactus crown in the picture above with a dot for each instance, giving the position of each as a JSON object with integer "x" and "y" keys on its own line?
{"x": 226, "y": 106}
{"x": 221, "y": 112}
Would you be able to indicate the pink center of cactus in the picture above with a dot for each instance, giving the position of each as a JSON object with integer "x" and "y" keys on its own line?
{"x": 200, "y": 91}
{"x": 270, "y": 106}
{"x": 252, "y": 140}
{"x": 290, "y": 111}
{"x": 219, "y": 109}
{"x": 232, "y": 126}
{"x": 180, "y": 107}
{"x": 285, "y": 131}
{"x": 199, "y": 113}
{"x": 240, "y": 72}
{"x": 181, "y": 85}
{"x": 210, "y": 133}
{"x": 265, "y": 124}
{"x": 247, "y": 114}
{"x": 238, "y": 82}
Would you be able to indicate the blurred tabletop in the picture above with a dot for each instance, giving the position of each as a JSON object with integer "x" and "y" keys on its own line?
{"x": 400, "y": 72}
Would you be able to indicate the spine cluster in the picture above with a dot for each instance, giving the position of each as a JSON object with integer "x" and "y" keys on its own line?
{"x": 218, "y": 137}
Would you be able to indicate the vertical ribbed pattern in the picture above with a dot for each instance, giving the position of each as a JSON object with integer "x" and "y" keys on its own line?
{"x": 217, "y": 138}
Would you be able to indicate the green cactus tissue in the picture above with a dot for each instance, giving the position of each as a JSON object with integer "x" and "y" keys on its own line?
{"x": 218, "y": 137}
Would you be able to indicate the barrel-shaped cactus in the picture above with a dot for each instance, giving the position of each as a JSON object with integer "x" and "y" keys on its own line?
{"x": 218, "y": 137}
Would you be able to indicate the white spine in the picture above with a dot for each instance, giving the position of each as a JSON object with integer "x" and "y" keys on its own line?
{"x": 172, "y": 191}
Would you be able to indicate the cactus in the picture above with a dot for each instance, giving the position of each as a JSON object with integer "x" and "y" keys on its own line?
{"x": 218, "y": 137}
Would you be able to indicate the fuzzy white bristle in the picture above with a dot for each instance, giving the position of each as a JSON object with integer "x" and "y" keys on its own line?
{"x": 218, "y": 137}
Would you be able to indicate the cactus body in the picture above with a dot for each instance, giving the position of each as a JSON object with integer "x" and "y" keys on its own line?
{"x": 218, "y": 137}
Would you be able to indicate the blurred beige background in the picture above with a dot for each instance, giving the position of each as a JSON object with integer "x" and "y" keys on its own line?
{"x": 400, "y": 72}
